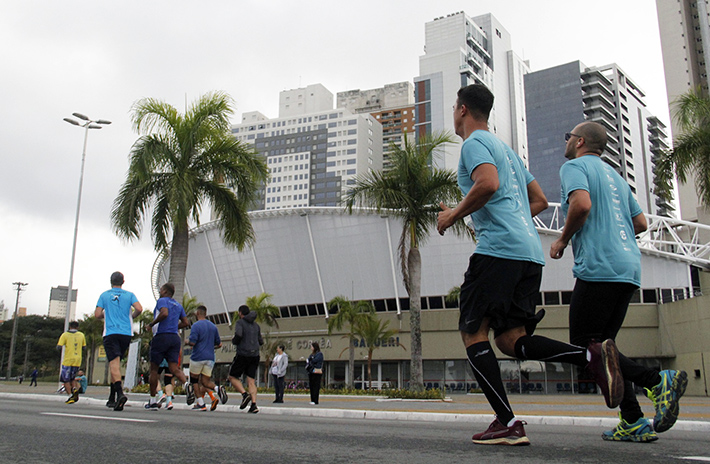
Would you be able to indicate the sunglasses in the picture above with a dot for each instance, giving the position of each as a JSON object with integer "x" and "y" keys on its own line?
{"x": 569, "y": 135}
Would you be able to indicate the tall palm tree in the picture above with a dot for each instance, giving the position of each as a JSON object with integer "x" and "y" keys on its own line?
{"x": 411, "y": 190}
{"x": 348, "y": 314}
{"x": 690, "y": 156}
{"x": 180, "y": 164}
{"x": 373, "y": 331}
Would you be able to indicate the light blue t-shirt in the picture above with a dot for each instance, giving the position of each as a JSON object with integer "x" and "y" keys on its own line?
{"x": 205, "y": 336}
{"x": 175, "y": 312}
{"x": 117, "y": 304}
{"x": 504, "y": 226}
{"x": 605, "y": 248}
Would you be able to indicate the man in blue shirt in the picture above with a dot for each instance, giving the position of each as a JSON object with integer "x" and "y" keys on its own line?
{"x": 503, "y": 279}
{"x": 168, "y": 317}
{"x": 602, "y": 220}
{"x": 118, "y": 308}
{"x": 204, "y": 338}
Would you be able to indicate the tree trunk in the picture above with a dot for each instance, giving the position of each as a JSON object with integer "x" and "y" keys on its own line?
{"x": 351, "y": 363}
{"x": 369, "y": 368}
{"x": 416, "y": 379}
{"x": 178, "y": 259}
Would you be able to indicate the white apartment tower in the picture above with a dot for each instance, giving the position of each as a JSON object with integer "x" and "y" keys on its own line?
{"x": 461, "y": 50}
{"x": 58, "y": 303}
{"x": 392, "y": 105}
{"x": 313, "y": 151}
{"x": 684, "y": 27}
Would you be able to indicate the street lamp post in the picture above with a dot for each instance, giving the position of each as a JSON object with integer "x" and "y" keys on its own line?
{"x": 88, "y": 124}
{"x": 14, "y": 328}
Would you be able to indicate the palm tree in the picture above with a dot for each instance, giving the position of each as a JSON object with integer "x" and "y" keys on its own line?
{"x": 411, "y": 190}
{"x": 180, "y": 164}
{"x": 690, "y": 156}
{"x": 350, "y": 314}
{"x": 93, "y": 330}
{"x": 373, "y": 331}
{"x": 454, "y": 295}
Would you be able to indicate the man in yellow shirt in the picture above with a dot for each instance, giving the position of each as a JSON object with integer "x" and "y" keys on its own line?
{"x": 74, "y": 343}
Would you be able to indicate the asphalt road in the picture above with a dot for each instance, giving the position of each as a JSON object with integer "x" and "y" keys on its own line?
{"x": 38, "y": 431}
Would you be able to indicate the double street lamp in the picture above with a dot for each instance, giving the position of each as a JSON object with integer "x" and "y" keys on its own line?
{"x": 86, "y": 124}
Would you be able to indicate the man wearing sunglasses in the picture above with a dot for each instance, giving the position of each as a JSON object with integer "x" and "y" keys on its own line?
{"x": 503, "y": 279}
{"x": 602, "y": 220}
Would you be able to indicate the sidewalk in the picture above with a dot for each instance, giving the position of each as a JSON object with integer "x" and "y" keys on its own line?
{"x": 569, "y": 409}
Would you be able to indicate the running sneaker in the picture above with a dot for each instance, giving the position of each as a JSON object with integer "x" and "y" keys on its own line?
{"x": 152, "y": 406}
{"x": 75, "y": 394}
{"x": 70, "y": 400}
{"x": 499, "y": 434}
{"x": 222, "y": 393}
{"x": 169, "y": 407}
{"x": 120, "y": 402}
{"x": 640, "y": 431}
{"x": 198, "y": 407}
{"x": 665, "y": 398}
{"x": 246, "y": 399}
{"x": 604, "y": 367}
{"x": 215, "y": 402}
{"x": 190, "y": 393}
{"x": 162, "y": 399}
{"x": 253, "y": 409}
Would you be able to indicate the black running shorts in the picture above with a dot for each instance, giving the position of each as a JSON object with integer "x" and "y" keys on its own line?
{"x": 503, "y": 290}
{"x": 116, "y": 346}
{"x": 244, "y": 365}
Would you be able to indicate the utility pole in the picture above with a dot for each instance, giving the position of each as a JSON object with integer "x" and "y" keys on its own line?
{"x": 14, "y": 328}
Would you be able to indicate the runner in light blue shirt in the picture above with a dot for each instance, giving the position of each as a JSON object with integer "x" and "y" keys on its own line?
{"x": 605, "y": 249}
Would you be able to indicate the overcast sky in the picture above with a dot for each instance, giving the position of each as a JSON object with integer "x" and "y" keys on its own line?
{"x": 97, "y": 58}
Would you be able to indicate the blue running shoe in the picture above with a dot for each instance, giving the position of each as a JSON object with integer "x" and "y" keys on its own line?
{"x": 640, "y": 431}
{"x": 665, "y": 398}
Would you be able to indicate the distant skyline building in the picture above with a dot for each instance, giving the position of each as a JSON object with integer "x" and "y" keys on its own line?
{"x": 58, "y": 302}
{"x": 313, "y": 152}
{"x": 392, "y": 105}
{"x": 559, "y": 98}
{"x": 684, "y": 27}
{"x": 461, "y": 50}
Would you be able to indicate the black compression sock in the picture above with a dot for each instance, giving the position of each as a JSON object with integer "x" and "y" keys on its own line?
{"x": 485, "y": 367}
{"x": 547, "y": 349}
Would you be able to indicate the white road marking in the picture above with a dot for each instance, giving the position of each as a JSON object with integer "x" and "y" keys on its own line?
{"x": 696, "y": 458}
{"x": 96, "y": 417}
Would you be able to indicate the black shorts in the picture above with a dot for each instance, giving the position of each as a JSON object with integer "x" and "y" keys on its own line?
{"x": 244, "y": 365}
{"x": 165, "y": 346}
{"x": 503, "y": 290}
{"x": 116, "y": 346}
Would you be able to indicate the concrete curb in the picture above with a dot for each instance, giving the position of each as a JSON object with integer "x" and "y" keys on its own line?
{"x": 314, "y": 411}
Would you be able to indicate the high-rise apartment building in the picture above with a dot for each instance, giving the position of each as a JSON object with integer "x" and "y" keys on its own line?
{"x": 58, "y": 302}
{"x": 684, "y": 27}
{"x": 4, "y": 311}
{"x": 461, "y": 50}
{"x": 392, "y": 105}
{"x": 559, "y": 98}
{"x": 313, "y": 151}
